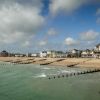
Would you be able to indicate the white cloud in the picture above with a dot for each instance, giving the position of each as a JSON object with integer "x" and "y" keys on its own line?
{"x": 19, "y": 20}
{"x": 42, "y": 43}
{"x": 71, "y": 42}
{"x": 8, "y": 38}
{"x": 89, "y": 35}
{"x": 68, "y": 6}
{"x": 52, "y": 31}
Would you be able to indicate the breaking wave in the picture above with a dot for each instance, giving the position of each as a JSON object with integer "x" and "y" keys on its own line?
{"x": 66, "y": 71}
{"x": 42, "y": 75}
{"x": 46, "y": 68}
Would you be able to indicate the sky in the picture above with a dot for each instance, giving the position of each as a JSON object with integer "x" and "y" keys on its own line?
{"x": 36, "y": 25}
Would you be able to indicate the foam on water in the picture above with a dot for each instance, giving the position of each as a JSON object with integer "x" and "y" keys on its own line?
{"x": 64, "y": 71}
{"x": 41, "y": 75}
{"x": 46, "y": 68}
{"x": 67, "y": 71}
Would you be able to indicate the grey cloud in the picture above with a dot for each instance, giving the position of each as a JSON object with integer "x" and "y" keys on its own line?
{"x": 68, "y": 6}
{"x": 18, "y": 21}
{"x": 90, "y": 35}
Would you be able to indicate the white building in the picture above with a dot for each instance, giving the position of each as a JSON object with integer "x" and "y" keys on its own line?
{"x": 87, "y": 53}
{"x": 97, "y": 51}
{"x": 35, "y": 55}
{"x": 43, "y": 54}
{"x": 19, "y": 55}
{"x": 51, "y": 54}
{"x": 97, "y": 47}
{"x": 75, "y": 53}
{"x": 55, "y": 54}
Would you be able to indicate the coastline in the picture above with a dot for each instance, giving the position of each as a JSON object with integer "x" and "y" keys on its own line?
{"x": 63, "y": 62}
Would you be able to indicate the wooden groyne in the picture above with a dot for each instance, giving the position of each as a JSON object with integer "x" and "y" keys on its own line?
{"x": 34, "y": 61}
{"x": 39, "y": 60}
{"x": 21, "y": 62}
{"x": 73, "y": 65}
{"x": 47, "y": 63}
{"x": 59, "y": 60}
{"x": 26, "y": 62}
{"x": 68, "y": 65}
{"x": 62, "y": 75}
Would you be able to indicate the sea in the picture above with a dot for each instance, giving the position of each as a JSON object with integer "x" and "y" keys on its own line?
{"x": 31, "y": 82}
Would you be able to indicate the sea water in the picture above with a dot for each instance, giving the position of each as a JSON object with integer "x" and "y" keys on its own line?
{"x": 30, "y": 82}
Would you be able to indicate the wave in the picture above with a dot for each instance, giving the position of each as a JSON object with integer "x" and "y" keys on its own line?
{"x": 42, "y": 75}
{"x": 66, "y": 71}
{"x": 46, "y": 68}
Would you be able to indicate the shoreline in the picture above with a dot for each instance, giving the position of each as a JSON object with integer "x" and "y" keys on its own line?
{"x": 62, "y": 62}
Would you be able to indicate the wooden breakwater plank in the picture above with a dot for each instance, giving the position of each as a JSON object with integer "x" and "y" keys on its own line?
{"x": 72, "y": 65}
{"x": 39, "y": 60}
{"x": 27, "y": 62}
{"x": 73, "y": 74}
{"x": 47, "y": 63}
{"x": 59, "y": 60}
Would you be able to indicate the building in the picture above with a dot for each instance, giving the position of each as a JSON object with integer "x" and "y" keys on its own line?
{"x": 56, "y": 54}
{"x": 60, "y": 54}
{"x": 51, "y": 54}
{"x": 35, "y": 55}
{"x": 97, "y": 47}
{"x": 97, "y": 51}
{"x": 11, "y": 55}
{"x": 75, "y": 53}
{"x": 43, "y": 54}
{"x": 96, "y": 54}
{"x": 87, "y": 53}
{"x": 19, "y": 55}
{"x": 28, "y": 55}
{"x": 4, "y": 53}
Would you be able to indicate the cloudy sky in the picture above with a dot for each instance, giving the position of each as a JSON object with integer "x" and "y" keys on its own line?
{"x": 35, "y": 25}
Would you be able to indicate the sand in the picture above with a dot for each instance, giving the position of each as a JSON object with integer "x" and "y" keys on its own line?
{"x": 78, "y": 62}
